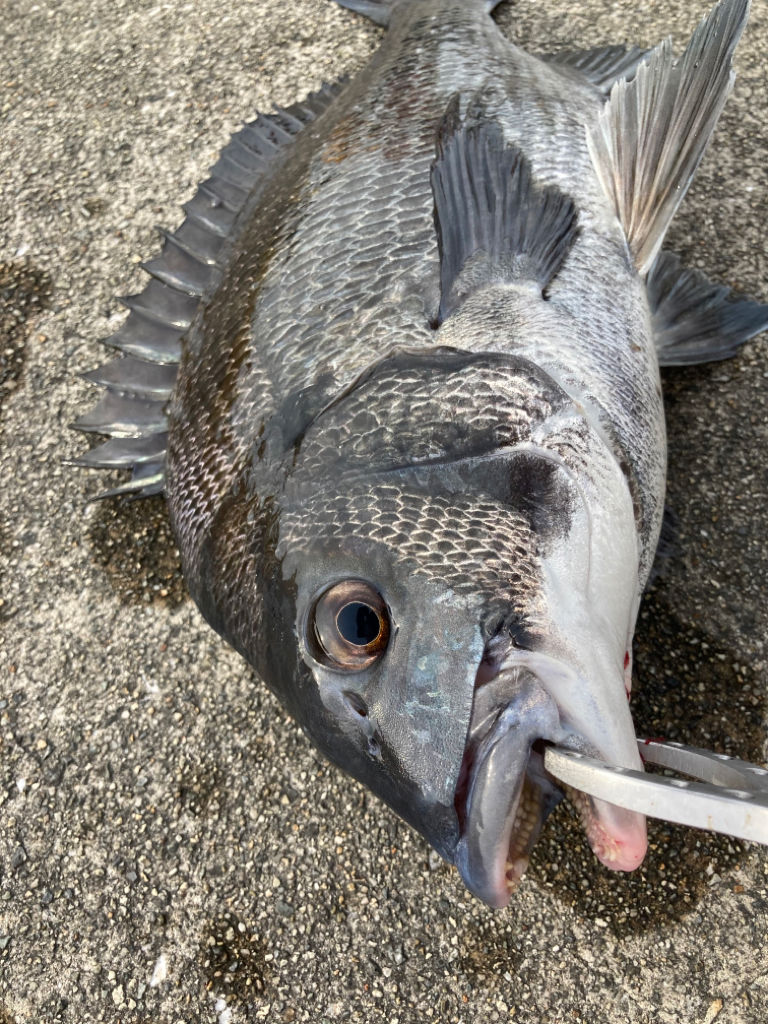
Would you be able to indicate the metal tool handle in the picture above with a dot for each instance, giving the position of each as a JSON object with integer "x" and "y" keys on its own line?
{"x": 733, "y": 810}
{"x": 704, "y": 765}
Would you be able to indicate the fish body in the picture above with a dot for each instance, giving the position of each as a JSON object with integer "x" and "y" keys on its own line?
{"x": 415, "y": 447}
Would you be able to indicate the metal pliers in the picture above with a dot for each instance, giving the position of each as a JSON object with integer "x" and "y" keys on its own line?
{"x": 729, "y": 795}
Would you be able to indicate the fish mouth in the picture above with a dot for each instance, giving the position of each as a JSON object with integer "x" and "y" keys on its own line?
{"x": 504, "y": 794}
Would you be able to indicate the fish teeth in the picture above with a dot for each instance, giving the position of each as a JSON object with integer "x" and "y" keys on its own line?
{"x": 526, "y": 819}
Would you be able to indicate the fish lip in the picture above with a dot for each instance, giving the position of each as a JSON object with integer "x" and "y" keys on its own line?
{"x": 497, "y": 762}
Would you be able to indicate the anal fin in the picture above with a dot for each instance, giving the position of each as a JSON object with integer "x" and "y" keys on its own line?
{"x": 494, "y": 224}
{"x": 654, "y": 130}
{"x": 695, "y": 320}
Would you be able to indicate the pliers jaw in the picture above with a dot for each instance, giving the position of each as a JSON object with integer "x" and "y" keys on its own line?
{"x": 727, "y": 795}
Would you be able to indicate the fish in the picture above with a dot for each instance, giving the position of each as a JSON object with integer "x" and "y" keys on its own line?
{"x": 397, "y": 376}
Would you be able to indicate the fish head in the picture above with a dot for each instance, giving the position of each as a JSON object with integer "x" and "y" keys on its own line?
{"x": 432, "y": 612}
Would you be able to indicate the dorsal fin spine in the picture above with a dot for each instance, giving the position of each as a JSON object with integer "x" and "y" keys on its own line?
{"x": 161, "y": 314}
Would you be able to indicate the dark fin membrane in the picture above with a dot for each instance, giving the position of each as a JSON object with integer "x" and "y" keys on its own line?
{"x": 124, "y": 452}
{"x": 124, "y": 417}
{"x": 667, "y": 548}
{"x": 654, "y": 130}
{"x": 134, "y": 378}
{"x": 603, "y": 66}
{"x": 148, "y": 479}
{"x": 139, "y": 386}
{"x": 493, "y": 223}
{"x": 695, "y": 320}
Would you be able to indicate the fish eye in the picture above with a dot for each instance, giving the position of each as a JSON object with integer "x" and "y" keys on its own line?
{"x": 349, "y": 626}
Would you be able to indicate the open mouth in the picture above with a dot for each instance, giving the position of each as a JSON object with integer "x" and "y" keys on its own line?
{"x": 504, "y": 794}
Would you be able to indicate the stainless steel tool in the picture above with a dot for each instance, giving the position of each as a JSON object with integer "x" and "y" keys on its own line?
{"x": 728, "y": 795}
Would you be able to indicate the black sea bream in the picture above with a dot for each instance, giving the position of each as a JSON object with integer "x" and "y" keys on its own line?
{"x": 397, "y": 375}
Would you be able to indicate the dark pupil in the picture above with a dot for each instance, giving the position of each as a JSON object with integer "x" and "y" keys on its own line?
{"x": 358, "y": 624}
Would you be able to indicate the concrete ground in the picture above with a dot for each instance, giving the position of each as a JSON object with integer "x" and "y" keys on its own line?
{"x": 171, "y": 849}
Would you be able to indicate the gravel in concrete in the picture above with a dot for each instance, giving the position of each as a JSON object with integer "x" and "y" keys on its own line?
{"x": 171, "y": 850}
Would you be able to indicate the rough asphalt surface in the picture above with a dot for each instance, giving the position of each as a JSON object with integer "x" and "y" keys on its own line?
{"x": 171, "y": 849}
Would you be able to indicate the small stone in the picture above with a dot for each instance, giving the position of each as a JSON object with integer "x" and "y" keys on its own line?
{"x": 118, "y": 996}
{"x": 284, "y": 908}
{"x": 714, "y": 1008}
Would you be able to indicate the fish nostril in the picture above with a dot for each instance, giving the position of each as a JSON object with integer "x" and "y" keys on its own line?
{"x": 374, "y": 747}
{"x": 356, "y": 703}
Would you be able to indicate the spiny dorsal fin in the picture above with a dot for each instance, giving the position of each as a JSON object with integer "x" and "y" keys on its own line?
{"x": 653, "y": 132}
{"x": 603, "y": 65}
{"x": 493, "y": 223}
{"x": 139, "y": 385}
{"x": 695, "y": 320}
{"x": 135, "y": 378}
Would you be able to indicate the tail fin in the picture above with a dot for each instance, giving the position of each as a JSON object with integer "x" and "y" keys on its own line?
{"x": 380, "y": 11}
{"x": 654, "y": 130}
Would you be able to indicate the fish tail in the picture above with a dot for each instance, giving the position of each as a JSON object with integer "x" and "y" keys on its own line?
{"x": 380, "y": 11}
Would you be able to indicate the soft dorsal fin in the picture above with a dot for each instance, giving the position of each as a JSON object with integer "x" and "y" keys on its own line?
{"x": 493, "y": 223}
{"x": 695, "y": 320}
{"x": 654, "y": 130}
{"x": 603, "y": 66}
{"x": 139, "y": 385}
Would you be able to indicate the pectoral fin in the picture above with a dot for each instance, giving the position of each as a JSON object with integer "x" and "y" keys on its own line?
{"x": 654, "y": 130}
{"x": 494, "y": 224}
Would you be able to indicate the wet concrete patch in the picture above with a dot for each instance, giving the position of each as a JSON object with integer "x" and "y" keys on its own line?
{"x": 233, "y": 960}
{"x": 133, "y": 543}
{"x": 687, "y": 688}
{"x": 24, "y": 292}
